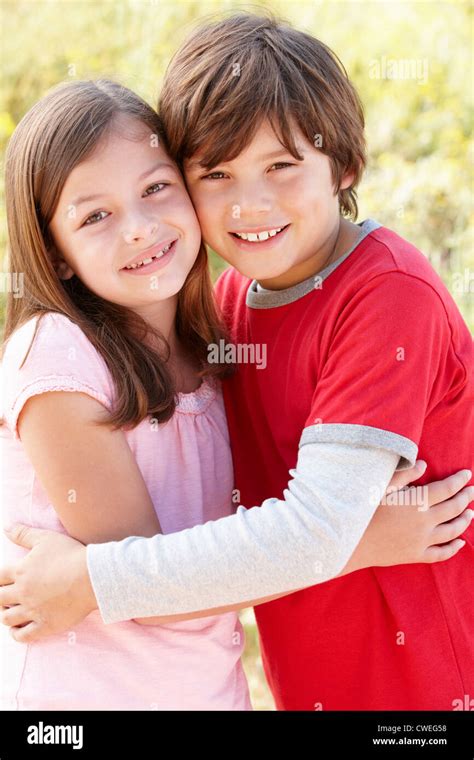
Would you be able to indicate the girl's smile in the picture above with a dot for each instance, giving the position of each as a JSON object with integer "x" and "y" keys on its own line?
{"x": 140, "y": 221}
{"x": 152, "y": 259}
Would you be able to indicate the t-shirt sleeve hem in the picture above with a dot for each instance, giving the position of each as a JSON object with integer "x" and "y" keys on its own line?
{"x": 363, "y": 435}
{"x": 45, "y": 385}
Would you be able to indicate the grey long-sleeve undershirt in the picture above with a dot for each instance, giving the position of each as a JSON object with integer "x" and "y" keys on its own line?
{"x": 285, "y": 544}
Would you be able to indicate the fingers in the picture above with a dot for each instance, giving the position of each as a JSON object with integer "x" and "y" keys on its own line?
{"x": 8, "y": 595}
{"x": 440, "y": 553}
{"x": 452, "y": 508}
{"x": 6, "y": 575}
{"x": 14, "y": 616}
{"x": 448, "y": 531}
{"x": 440, "y": 490}
{"x": 404, "y": 477}
{"x": 24, "y": 535}
{"x": 27, "y": 634}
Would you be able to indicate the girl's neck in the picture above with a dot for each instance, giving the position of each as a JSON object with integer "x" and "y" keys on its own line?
{"x": 182, "y": 367}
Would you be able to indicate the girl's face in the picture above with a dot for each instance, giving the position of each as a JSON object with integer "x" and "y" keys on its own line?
{"x": 125, "y": 205}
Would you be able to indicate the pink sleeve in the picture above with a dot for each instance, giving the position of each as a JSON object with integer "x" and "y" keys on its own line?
{"x": 61, "y": 359}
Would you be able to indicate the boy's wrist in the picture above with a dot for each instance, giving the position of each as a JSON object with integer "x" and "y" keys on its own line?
{"x": 85, "y": 587}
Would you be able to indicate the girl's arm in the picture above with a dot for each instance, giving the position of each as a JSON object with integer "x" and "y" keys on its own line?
{"x": 88, "y": 471}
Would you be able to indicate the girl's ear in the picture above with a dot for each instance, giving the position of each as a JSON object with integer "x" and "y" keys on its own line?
{"x": 64, "y": 271}
{"x": 61, "y": 267}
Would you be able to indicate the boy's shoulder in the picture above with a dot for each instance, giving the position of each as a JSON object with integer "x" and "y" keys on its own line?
{"x": 387, "y": 252}
{"x": 383, "y": 260}
{"x": 388, "y": 259}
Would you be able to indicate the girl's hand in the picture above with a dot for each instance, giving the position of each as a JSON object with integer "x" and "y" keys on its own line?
{"x": 416, "y": 524}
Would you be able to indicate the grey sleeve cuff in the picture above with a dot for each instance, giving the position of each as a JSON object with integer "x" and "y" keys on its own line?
{"x": 285, "y": 544}
{"x": 364, "y": 435}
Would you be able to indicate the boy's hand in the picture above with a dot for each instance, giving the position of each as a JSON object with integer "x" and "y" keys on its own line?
{"x": 49, "y": 590}
{"x": 417, "y": 524}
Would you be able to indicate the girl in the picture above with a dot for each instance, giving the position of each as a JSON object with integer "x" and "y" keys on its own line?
{"x": 111, "y": 339}
{"x": 118, "y": 309}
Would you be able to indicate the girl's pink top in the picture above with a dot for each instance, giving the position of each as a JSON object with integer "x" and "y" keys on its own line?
{"x": 187, "y": 467}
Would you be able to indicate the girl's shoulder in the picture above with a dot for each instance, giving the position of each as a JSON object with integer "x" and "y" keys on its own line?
{"x": 46, "y": 338}
{"x": 50, "y": 352}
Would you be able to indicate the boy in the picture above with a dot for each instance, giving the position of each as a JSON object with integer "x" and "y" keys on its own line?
{"x": 368, "y": 362}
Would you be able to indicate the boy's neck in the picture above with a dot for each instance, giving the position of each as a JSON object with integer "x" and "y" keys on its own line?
{"x": 344, "y": 236}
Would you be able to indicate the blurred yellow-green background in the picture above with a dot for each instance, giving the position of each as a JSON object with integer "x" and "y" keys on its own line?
{"x": 410, "y": 61}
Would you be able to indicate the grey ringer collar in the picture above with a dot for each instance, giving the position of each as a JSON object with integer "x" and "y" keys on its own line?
{"x": 262, "y": 298}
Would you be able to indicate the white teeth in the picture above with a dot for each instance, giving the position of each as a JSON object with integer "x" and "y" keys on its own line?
{"x": 148, "y": 261}
{"x": 254, "y": 237}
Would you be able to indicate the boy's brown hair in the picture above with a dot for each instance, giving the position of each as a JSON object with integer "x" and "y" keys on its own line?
{"x": 231, "y": 74}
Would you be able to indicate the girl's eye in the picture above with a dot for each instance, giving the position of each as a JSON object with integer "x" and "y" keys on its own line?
{"x": 94, "y": 218}
{"x": 153, "y": 189}
{"x": 281, "y": 165}
{"x": 213, "y": 175}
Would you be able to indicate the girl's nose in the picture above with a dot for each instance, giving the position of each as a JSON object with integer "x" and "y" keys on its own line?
{"x": 144, "y": 231}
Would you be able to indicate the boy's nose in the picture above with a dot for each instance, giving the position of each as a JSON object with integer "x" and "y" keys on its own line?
{"x": 254, "y": 201}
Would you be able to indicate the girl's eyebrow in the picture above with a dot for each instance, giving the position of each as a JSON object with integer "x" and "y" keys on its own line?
{"x": 160, "y": 165}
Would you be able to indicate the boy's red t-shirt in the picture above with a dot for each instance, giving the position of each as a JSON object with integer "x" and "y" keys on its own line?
{"x": 379, "y": 344}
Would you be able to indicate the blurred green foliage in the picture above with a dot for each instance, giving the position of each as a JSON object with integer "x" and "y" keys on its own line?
{"x": 419, "y": 178}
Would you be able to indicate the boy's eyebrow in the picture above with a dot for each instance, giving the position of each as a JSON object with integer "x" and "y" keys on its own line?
{"x": 281, "y": 152}
{"x": 160, "y": 165}
{"x": 265, "y": 157}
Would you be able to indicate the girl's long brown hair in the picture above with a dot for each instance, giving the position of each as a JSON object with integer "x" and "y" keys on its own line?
{"x": 58, "y": 133}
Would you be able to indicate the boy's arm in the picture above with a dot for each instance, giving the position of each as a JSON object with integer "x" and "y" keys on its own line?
{"x": 368, "y": 390}
{"x": 50, "y": 590}
{"x": 368, "y": 412}
{"x": 285, "y": 544}
{"x": 407, "y": 527}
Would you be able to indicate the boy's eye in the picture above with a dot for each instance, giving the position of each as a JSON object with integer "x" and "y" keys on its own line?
{"x": 281, "y": 165}
{"x": 220, "y": 175}
{"x": 94, "y": 218}
{"x": 153, "y": 188}
{"x": 213, "y": 175}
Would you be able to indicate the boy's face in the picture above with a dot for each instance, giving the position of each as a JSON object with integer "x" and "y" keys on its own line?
{"x": 263, "y": 190}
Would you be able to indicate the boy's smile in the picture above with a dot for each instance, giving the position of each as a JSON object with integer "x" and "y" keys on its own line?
{"x": 275, "y": 218}
{"x": 253, "y": 238}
